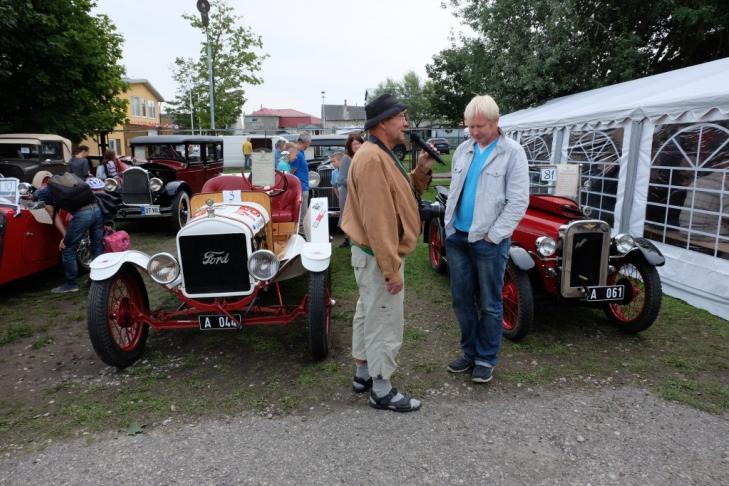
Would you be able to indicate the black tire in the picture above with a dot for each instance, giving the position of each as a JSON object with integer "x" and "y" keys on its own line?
{"x": 436, "y": 246}
{"x": 319, "y": 314}
{"x": 116, "y": 298}
{"x": 645, "y": 295}
{"x": 180, "y": 210}
{"x": 518, "y": 303}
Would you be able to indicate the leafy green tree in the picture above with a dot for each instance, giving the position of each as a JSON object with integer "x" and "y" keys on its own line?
{"x": 59, "y": 68}
{"x": 525, "y": 52}
{"x": 413, "y": 93}
{"x": 235, "y": 64}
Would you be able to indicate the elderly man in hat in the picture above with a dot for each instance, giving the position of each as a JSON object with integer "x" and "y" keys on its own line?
{"x": 382, "y": 220}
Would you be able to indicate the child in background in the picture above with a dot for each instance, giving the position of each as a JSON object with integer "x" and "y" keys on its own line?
{"x": 336, "y": 160}
{"x": 288, "y": 155}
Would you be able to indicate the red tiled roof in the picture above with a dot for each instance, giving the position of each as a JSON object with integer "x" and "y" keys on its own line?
{"x": 285, "y": 112}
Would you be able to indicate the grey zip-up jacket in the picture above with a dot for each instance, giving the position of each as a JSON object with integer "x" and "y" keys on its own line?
{"x": 502, "y": 196}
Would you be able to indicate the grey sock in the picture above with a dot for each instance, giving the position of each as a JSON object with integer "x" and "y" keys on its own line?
{"x": 362, "y": 371}
{"x": 381, "y": 387}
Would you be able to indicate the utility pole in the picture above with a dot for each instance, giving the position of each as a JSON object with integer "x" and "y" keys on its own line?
{"x": 204, "y": 7}
{"x": 323, "y": 112}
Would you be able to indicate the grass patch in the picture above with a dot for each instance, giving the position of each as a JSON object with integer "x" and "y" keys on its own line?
{"x": 15, "y": 331}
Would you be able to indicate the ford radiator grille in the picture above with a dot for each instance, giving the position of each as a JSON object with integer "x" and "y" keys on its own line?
{"x": 214, "y": 264}
{"x": 135, "y": 188}
{"x": 326, "y": 177}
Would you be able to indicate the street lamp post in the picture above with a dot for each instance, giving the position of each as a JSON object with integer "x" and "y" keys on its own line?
{"x": 204, "y": 7}
{"x": 323, "y": 111}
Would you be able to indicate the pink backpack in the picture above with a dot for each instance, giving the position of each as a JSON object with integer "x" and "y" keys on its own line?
{"x": 116, "y": 241}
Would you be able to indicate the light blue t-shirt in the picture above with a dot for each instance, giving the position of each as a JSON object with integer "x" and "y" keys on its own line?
{"x": 464, "y": 211}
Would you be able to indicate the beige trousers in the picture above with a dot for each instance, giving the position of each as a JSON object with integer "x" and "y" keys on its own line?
{"x": 378, "y": 321}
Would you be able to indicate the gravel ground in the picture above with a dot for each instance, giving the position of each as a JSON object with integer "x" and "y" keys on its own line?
{"x": 610, "y": 436}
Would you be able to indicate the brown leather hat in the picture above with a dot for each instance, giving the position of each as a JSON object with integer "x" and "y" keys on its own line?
{"x": 381, "y": 108}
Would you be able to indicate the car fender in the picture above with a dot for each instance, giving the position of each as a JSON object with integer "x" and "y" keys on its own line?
{"x": 521, "y": 258}
{"x": 174, "y": 187}
{"x": 649, "y": 251}
{"x": 107, "y": 265}
{"x": 316, "y": 256}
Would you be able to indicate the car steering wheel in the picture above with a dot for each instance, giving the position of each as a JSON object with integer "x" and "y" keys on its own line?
{"x": 280, "y": 184}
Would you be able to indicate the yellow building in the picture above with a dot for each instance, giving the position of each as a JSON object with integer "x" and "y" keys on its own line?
{"x": 143, "y": 118}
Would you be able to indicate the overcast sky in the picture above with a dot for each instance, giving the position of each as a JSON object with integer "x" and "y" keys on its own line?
{"x": 340, "y": 47}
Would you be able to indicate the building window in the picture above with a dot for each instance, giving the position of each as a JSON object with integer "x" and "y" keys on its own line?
{"x": 144, "y": 107}
{"x": 151, "y": 109}
{"x": 135, "y": 106}
{"x": 688, "y": 192}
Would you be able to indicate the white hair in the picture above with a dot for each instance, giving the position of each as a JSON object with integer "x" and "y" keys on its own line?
{"x": 304, "y": 137}
{"x": 482, "y": 105}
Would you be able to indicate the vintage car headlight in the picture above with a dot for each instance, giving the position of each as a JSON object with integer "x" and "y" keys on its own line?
{"x": 546, "y": 246}
{"x": 263, "y": 265}
{"x": 111, "y": 184}
{"x": 163, "y": 268}
{"x": 24, "y": 188}
{"x": 314, "y": 178}
{"x": 155, "y": 184}
{"x": 624, "y": 243}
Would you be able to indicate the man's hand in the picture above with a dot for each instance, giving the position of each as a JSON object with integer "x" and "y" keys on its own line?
{"x": 61, "y": 245}
{"x": 393, "y": 288}
{"x": 426, "y": 161}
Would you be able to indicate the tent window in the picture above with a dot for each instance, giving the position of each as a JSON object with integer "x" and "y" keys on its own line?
{"x": 688, "y": 193}
{"x": 538, "y": 148}
{"x": 599, "y": 153}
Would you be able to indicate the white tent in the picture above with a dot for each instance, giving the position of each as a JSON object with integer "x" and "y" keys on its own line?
{"x": 655, "y": 155}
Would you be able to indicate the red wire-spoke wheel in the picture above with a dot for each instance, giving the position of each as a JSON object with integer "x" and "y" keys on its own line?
{"x": 639, "y": 310}
{"x": 116, "y": 305}
{"x": 320, "y": 314}
{"x": 518, "y": 302}
{"x": 435, "y": 246}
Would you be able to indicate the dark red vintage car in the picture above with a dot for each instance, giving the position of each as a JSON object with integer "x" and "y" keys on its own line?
{"x": 165, "y": 172}
{"x": 559, "y": 252}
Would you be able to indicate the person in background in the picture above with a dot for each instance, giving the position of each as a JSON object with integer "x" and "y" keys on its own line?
{"x": 300, "y": 169}
{"x": 247, "y": 152}
{"x": 43, "y": 194}
{"x": 354, "y": 142}
{"x": 288, "y": 157}
{"x": 336, "y": 161}
{"x": 382, "y": 219}
{"x": 488, "y": 196}
{"x": 277, "y": 150}
{"x": 108, "y": 166}
{"x": 79, "y": 164}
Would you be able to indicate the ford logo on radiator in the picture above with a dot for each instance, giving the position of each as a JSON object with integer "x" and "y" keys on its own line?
{"x": 215, "y": 257}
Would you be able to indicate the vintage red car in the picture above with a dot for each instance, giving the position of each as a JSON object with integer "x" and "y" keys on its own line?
{"x": 166, "y": 171}
{"x": 559, "y": 252}
{"x": 226, "y": 274}
{"x": 28, "y": 238}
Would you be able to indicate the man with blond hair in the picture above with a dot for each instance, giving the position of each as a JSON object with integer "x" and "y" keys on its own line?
{"x": 488, "y": 196}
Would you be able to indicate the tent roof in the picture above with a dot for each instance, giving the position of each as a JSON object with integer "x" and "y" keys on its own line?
{"x": 698, "y": 89}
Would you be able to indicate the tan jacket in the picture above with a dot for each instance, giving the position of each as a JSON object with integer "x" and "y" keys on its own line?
{"x": 381, "y": 212}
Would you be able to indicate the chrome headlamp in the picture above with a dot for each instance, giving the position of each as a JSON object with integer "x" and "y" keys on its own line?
{"x": 163, "y": 268}
{"x": 111, "y": 184}
{"x": 155, "y": 184}
{"x": 314, "y": 178}
{"x": 263, "y": 265}
{"x": 24, "y": 188}
{"x": 624, "y": 243}
{"x": 546, "y": 246}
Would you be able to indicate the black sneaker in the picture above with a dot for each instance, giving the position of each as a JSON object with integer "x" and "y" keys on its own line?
{"x": 65, "y": 288}
{"x": 482, "y": 374}
{"x": 460, "y": 365}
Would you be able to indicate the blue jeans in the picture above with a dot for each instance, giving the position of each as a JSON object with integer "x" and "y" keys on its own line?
{"x": 477, "y": 277}
{"x": 85, "y": 219}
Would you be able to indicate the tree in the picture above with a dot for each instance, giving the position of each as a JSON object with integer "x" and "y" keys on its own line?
{"x": 235, "y": 64}
{"x": 525, "y": 52}
{"x": 411, "y": 92}
{"x": 59, "y": 70}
